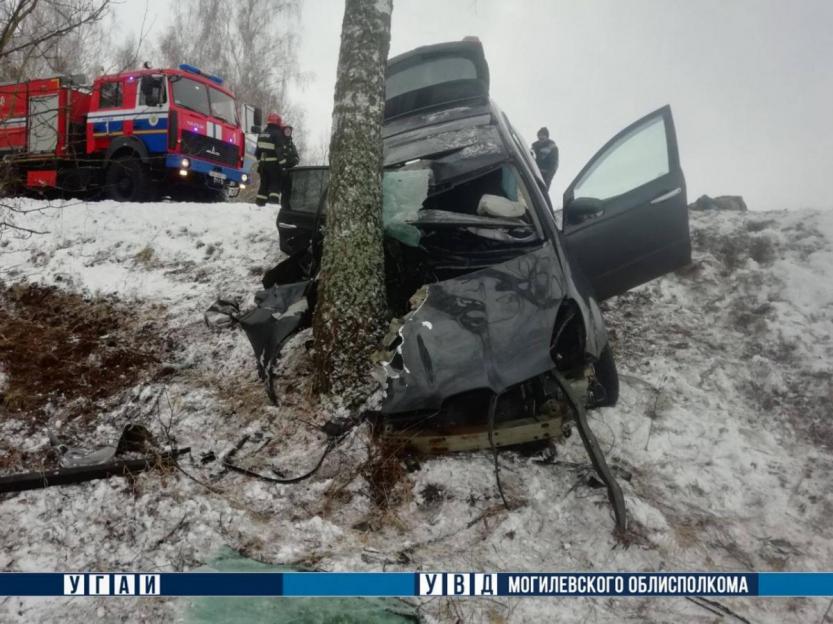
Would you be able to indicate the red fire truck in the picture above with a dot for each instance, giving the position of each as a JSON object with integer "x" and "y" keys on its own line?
{"x": 135, "y": 136}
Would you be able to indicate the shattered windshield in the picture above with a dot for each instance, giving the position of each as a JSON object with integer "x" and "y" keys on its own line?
{"x": 494, "y": 205}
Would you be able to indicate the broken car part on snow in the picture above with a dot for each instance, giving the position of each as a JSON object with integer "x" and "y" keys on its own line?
{"x": 77, "y": 466}
{"x": 499, "y": 340}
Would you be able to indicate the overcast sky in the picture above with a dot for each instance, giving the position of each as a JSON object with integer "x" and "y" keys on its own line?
{"x": 750, "y": 82}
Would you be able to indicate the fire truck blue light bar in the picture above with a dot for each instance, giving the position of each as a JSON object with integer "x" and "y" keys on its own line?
{"x": 196, "y": 70}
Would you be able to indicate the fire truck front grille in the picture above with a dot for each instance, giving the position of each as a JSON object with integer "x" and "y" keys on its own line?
{"x": 201, "y": 146}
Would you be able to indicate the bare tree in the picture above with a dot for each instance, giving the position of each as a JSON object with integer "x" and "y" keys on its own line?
{"x": 351, "y": 290}
{"x": 39, "y": 37}
{"x": 318, "y": 150}
{"x": 126, "y": 54}
{"x": 254, "y": 47}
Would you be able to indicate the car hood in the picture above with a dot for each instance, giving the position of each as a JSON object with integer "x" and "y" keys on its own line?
{"x": 444, "y": 115}
{"x": 455, "y": 146}
{"x": 486, "y": 329}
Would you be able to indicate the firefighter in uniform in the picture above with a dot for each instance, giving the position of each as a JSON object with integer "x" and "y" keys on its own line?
{"x": 275, "y": 154}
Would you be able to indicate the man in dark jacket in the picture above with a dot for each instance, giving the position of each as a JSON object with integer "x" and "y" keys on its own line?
{"x": 275, "y": 154}
{"x": 546, "y": 155}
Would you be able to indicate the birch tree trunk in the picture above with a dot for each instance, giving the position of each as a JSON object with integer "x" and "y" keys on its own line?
{"x": 351, "y": 290}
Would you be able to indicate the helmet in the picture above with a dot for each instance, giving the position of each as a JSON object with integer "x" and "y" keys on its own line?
{"x": 274, "y": 119}
{"x": 545, "y": 131}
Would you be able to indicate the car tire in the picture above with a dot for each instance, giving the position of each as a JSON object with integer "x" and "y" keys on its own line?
{"x": 608, "y": 378}
{"x": 127, "y": 180}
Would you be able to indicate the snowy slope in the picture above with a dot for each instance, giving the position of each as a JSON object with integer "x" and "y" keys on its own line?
{"x": 723, "y": 436}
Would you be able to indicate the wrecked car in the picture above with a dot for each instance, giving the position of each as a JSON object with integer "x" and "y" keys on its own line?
{"x": 500, "y": 336}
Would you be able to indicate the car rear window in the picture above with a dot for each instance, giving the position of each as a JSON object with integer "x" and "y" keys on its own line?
{"x": 429, "y": 73}
{"x": 434, "y": 77}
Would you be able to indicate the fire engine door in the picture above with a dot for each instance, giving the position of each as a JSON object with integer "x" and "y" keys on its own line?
{"x": 43, "y": 123}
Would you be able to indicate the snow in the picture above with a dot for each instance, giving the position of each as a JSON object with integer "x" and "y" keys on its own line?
{"x": 722, "y": 438}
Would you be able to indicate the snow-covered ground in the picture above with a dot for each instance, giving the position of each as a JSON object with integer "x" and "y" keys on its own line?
{"x": 723, "y": 435}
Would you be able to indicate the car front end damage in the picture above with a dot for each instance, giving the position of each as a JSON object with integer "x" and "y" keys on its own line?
{"x": 489, "y": 358}
{"x": 493, "y": 342}
{"x": 497, "y": 339}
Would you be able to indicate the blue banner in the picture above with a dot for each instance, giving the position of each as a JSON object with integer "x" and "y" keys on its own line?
{"x": 405, "y": 584}
{"x": 795, "y": 583}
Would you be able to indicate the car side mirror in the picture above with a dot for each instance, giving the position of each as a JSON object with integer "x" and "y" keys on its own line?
{"x": 582, "y": 209}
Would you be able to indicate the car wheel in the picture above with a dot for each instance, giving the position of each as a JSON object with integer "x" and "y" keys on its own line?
{"x": 127, "y": 180}
{"x": 607, "y": 378}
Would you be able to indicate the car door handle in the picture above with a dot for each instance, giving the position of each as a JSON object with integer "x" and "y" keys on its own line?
{"x": 287, "y": 226}
{"x": 668, "y": 195}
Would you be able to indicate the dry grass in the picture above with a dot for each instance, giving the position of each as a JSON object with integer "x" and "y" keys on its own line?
{"x": 65, "y": 351}
{"x": 146, "y": 257}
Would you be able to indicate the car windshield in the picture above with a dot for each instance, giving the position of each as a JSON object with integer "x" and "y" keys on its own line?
{"x": 222, "y": 106}
{"x": 191, "y": 94}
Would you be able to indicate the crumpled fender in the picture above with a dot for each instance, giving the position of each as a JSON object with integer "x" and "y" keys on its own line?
{"x": 487, "y": 329}
{"x": 281, "y": 311}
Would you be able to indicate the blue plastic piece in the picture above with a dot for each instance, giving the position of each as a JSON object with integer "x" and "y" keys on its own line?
{"x": 190, "y": 68}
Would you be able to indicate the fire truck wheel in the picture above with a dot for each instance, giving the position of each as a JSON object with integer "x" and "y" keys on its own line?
{"x": 218, "y": 195}
{"x": 127, "y": 179}
{"x": 209, "y": 195}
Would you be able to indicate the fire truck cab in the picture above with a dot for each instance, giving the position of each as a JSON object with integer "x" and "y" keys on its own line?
{"x": 134, "y": 135}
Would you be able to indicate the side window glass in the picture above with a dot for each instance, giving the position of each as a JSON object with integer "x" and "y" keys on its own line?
{"x": 307, "y": 189}
{"x": 635, "y": 159}
{"x": 110, "y": 95}
{"x": 152, "y": 92}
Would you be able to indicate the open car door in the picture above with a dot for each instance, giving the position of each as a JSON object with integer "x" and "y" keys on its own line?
{"x": 302, "y": 206}
{"x": 625, "y": 214}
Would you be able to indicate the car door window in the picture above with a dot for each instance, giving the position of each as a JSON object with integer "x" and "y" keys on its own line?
{"x": 152, "y": 91}
{"x": 307, "y": 189}
{"x": 637, "y": 158}
{"x": 110, "y": 95}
